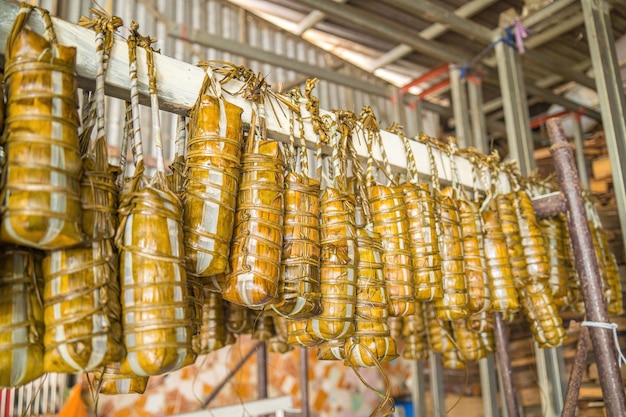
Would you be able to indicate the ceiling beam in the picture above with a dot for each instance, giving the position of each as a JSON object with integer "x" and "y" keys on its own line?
{"x": 388, "y": 29}
{"x": 180, "y": 31}
{"x": 469, "y": 9}
{"x": 475, "y": 31}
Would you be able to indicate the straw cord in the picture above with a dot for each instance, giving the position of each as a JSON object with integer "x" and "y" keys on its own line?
{"x": 134, "y": 98}
{"x": 411, "y": 164}
{"x": 434, "y": 174}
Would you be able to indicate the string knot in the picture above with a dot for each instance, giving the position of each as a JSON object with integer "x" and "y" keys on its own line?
{"x": 608, "y": 326}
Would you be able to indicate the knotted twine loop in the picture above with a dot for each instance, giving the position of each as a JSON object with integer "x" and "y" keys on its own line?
{"x": 411, "y": 164}
{"x": 373, "y": 138}
{"x": 608, "y": 326}
{"x": 20, "y": 21}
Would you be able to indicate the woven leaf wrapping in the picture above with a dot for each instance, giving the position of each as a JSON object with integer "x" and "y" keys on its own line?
{"x": 414, "y": 334}
{"x": 300, "y": 269}
{"x": 454, "y": 304}
{"x": 390, "y": 220}
{"x": 439, "y": 331}
{"x": 195, "y": 300}
{"x": 424, "y": 242}
{"x": 371, "y": 342}
{"x": 468, "y": 342}
{"x": 501, "y": 286}
{"x": 542, "y": 314}
{"x": 40, "y": 197}
{"x": 298, "y": 333}
{"x": 212, "y": 166}
{"x": 338, "y": 272}
{"x": 156, "y": 316}
{"x": 82, "y": 308}
{"x": 262, "y": 325}
{"x": 609, "y": 271}
{"x": 213, "y": 333}
{"x": 21, "y": 317}
{"x": 257, "y": 243}
{"x": 510, "y": 227}
{"x": 237, "y": 319}
{"x": 482, "y": 324}
{"x": 98, "y": 195}
{"x": 112, "y": 381}
{"x": 331, "y": 350}
{"x": 474, "y": 257}
{"x": 552, "y": 230}
{"x": 533, "y": 241}
{"x": 278, "y": 343}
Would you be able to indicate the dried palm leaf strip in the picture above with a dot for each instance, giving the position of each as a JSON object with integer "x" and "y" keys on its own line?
{"x": 156, "y": 318}
{"x": 414, "y": 334}
{"x": 21, "y": 316}
{"x": 81, "y": 293}
{"x": 468, "y": 343}
{"x": 212, "y": 170}
{"x": 338, "y": 241}
{"x": 389, "y": 216}
{"x": 40, "y": 195}
{"x": 213, "y": 333}
{"x": 552, "y": 230}
{"x": 1, "y": 101}
{"x": 454, "y": 304}
{"x": 504, "y": 296}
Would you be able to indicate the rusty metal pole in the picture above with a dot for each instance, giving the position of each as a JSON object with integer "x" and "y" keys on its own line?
{"x": 504, "y": 366}
{"x": 588, "y": 271}
{"x": 576, "y": 376}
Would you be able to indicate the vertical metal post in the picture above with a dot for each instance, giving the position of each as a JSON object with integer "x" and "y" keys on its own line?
{"x": 588, "y": 271}
{"x": 515, "y": 107}
{"x": 504, "y": 367}
{"x": 436, "y": 384}
{"x": 458, "y": 88}
{"x": 304, "y": 380}
{"x": 417, "y": 393}
{"x": 551, "y": 379}
{"x": 419, "y": 116}
{"x": 396, "y": 105}
{"x": 581, "y": 163}
{"x": 479, "y": 124}
{"x": 489, "y": 386}
{"x": 611, "y": 95}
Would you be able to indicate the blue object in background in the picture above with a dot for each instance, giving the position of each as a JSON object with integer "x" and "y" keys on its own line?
{"x": 403, "y": 409}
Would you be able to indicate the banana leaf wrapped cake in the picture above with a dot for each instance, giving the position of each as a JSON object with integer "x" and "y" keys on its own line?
{"x": 40, "y": 195}
{"x": 256, "y": 249}
{"x": 21, "y": 316}
{"x": 371, "y": 342}
{"x": 156, "y": 317}
{"x": 212, "y": 169}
